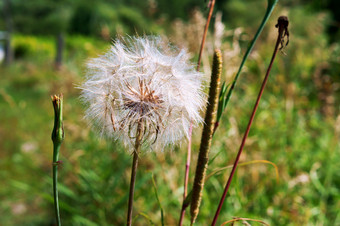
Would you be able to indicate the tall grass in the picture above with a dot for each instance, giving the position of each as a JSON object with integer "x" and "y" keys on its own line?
{"x": 290, "y": 131}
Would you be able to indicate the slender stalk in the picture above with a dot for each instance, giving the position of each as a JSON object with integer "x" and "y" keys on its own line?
{"x": 138, "y": 142}
{"x": 55, "y": 184}
{"x": 187, "y": 165}
{"x": 282, "y": 25}
{"x": 226, "y": 96}
{"x": 186, "y": 178}
{"x": 211, "y": 9}
{"x": 57, "y": 138}
{"x": 209, "y": 122}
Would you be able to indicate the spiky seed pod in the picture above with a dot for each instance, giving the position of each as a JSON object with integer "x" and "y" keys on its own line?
{"x": 143, "y": 79}
{"x": 210, "y": 118}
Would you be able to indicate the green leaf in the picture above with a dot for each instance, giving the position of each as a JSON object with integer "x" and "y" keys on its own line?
{"x": 159, "y": 203}
{"x": 225, "y": 97}
{"x": 145, "y": 216}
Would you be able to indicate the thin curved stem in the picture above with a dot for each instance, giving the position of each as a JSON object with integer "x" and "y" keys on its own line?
{"x": 56, "y": 149}
{"x": 58, "y": 136}
{"x": 226, "y": 97}
{"x": 138, "y": 142}
{"x": 187, "y": 165}
{"x": 211, "y": 9}
{"x": 186, "y": 178}
{"x": 279, "y": 40}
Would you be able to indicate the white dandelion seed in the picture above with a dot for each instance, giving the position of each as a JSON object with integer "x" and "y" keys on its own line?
{"x": 143, "y": 80}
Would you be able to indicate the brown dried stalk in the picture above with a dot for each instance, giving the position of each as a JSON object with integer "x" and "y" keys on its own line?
{"x": 282, "y": 33}
{"x": 138, "y": 144}
{"x": 187, "y": 165}
{"x": 208, "y": 129}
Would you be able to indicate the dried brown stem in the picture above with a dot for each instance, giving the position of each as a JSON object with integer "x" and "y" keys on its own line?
{"x": 283, "y": 31}
{"x": 211, "y": 9}
{"x": 187, "y": 165}
{"x": 138, "y": 143}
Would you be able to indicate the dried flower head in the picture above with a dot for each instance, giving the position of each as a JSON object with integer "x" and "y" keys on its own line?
{"x": 143, "y": 80}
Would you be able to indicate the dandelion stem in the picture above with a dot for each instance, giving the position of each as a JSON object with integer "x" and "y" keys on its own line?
{"x": 282, "y": 25}
{"x": 187, "y": 165}
{"x": 138, "y": 142}
{"x": 57, "y": 138}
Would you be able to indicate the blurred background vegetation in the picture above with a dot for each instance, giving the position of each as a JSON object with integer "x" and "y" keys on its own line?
{"x": 297, "y": 126}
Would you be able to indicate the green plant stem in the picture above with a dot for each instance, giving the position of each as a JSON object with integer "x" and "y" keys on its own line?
{"x": 56, "y": 149}
{"x": 57, "y": 138}
{"x": 281, "y": 26}
{"x": 159, "y": 202}
{"x": 138, "y": 142}
{"x": 226, "y": 97}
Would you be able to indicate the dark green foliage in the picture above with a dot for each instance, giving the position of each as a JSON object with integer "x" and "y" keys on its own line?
{"x": 40, "y": 16}
{"x": 82, "y": 19}
{"x": 20, "y": 51}
{"x": 178, "y": 8}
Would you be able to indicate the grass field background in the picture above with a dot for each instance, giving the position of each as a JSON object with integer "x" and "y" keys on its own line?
{"x": 296, "y": 129}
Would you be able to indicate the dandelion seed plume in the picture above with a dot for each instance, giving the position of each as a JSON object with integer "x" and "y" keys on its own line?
{"x": 143, "y": 80}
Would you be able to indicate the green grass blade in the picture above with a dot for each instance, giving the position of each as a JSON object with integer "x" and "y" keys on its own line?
{"x": 245, "y": 164}
{"x": 244, "y": 221}
{"x": 159, "y": 203}
{"x": 146, "y": 217}
{"x": 226, "y": 97}
{"x": 221, "y": 101}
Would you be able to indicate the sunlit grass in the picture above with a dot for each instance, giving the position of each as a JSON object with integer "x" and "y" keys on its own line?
{"x": 289, "y": 131}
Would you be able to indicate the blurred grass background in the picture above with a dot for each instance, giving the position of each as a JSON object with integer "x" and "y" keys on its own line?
{"x": 297, "y": 126}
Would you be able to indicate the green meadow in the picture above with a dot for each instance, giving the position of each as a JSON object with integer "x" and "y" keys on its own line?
{"x": 290, "y": 174}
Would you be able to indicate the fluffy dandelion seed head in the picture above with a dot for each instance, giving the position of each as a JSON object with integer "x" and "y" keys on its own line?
{"x": 143, "y": 80}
